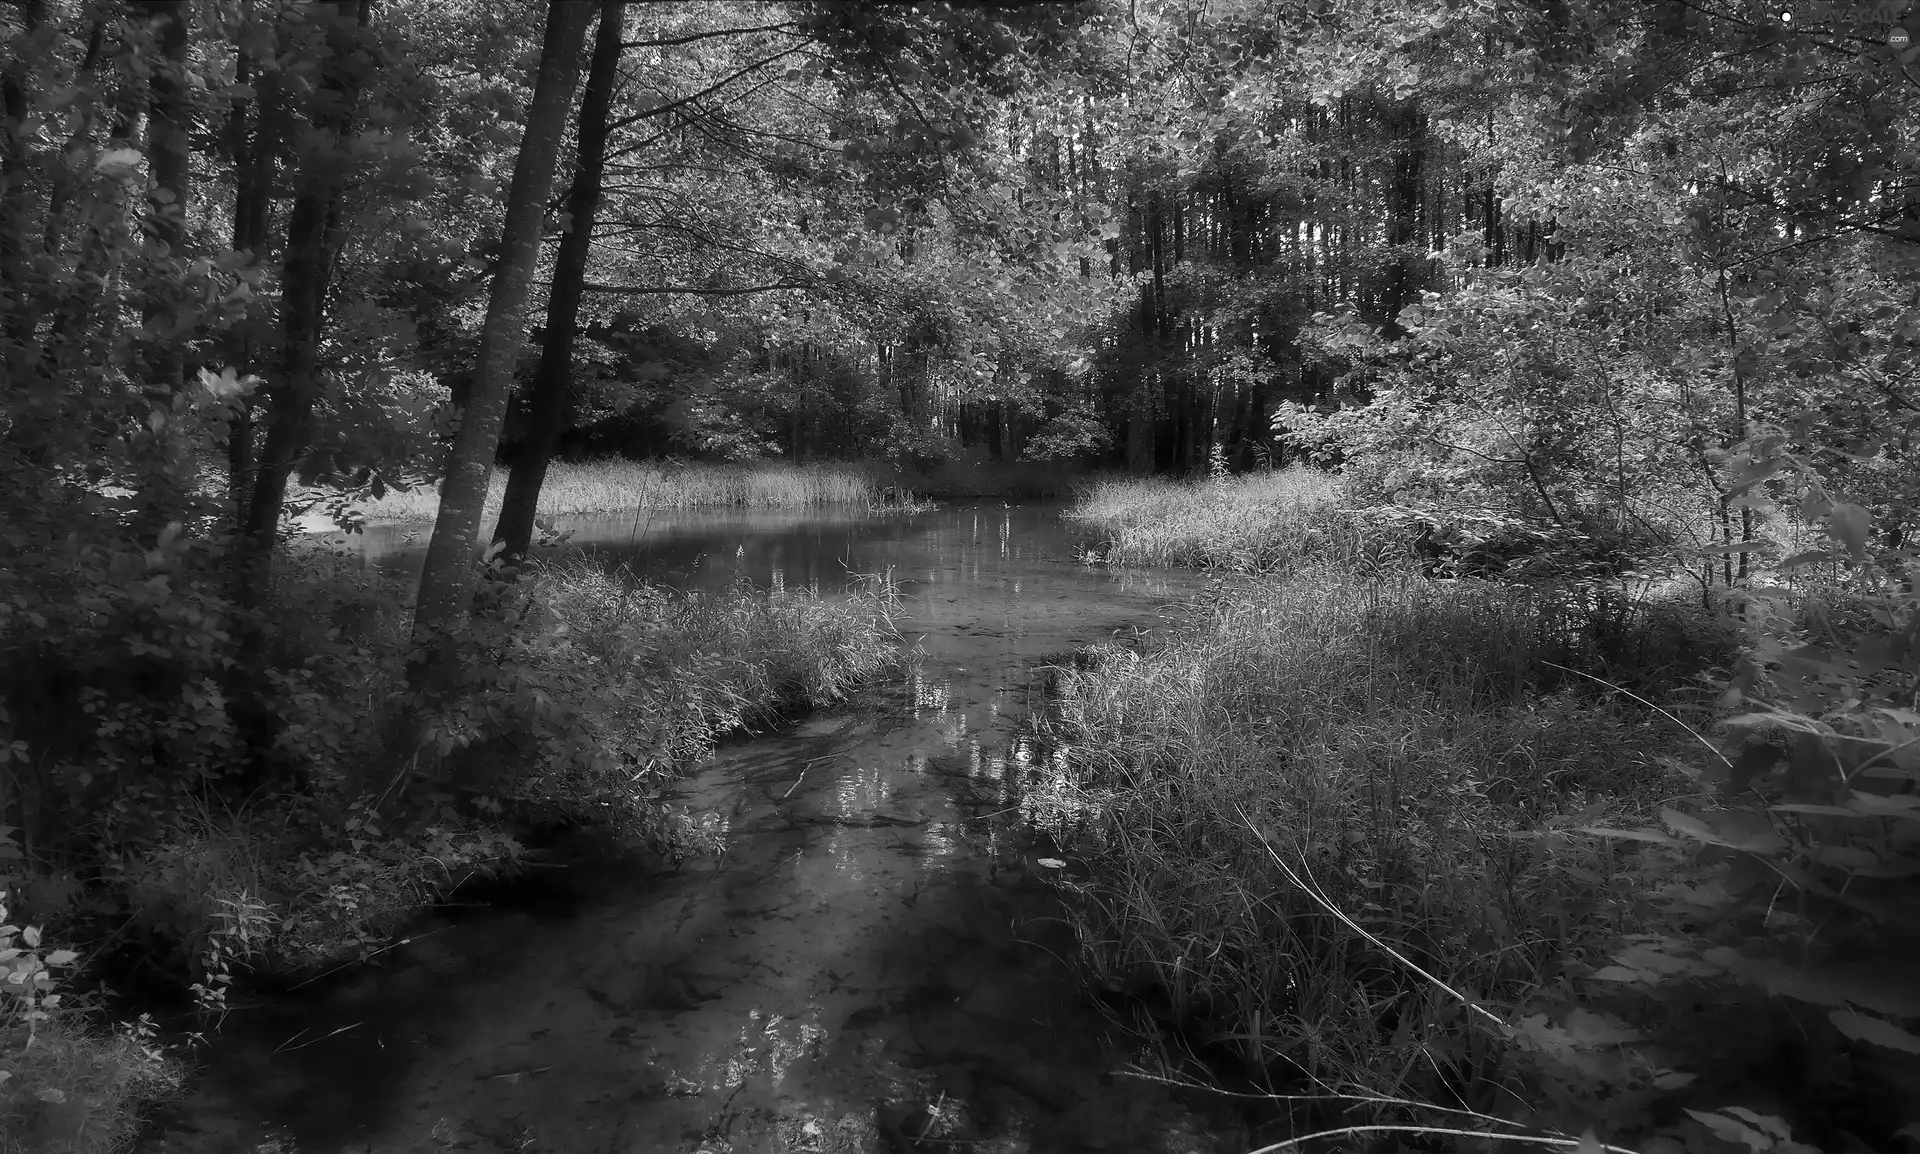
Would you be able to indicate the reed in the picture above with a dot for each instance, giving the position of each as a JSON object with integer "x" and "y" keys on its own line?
{"x": 1260, "y": 522}
{"x": 603, "y": 486}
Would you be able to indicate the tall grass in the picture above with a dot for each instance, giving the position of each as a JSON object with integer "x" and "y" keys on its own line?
{"x": 667, "y": 673}
{"x": 1260, "y": 522}
{"x": 1394, "y": 743}
{"x": 607, "y": 485}
{"x": 587, "y": 694}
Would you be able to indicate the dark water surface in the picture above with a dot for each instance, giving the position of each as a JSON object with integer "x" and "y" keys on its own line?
{"x": 879, "y": 941}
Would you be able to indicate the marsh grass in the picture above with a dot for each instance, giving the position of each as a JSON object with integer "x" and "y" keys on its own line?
{"x": 1405, "y": 747}
{"x": 604, "y": 486}
{"x": 657, "y": 676}
{"x": 1259, "y": 522}
{"x": 77, "y": 1089}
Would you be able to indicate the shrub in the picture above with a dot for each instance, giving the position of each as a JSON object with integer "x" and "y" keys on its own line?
{"x": 65, "y": 1088}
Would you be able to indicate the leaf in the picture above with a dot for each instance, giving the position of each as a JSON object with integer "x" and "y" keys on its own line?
{"x": 51, "y": 1095}
{"x": 1866, "y": 1028}
{"x": 1733, "y": 1130}
{"x": 1646, "y": 835}
{"x": 116, "y": 163}
{"x": 1692, "y": 827}
{"x": 1849, "y": 524}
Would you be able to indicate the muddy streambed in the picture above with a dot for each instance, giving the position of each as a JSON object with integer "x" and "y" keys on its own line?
{"x": 878, "y": 944}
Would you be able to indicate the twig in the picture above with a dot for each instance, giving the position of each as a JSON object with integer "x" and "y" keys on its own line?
{"x": 797, "y": 781}
{"x": 515, "y": 1073}
{"x": 363, "y": 958}
{"x": 287, "y": 1047}
{"x": 1313, "y": 892}
{"x": 1391, "y": 1129}
{"x": 1355, "y": 1098}
{"x": 1648, "y": 704}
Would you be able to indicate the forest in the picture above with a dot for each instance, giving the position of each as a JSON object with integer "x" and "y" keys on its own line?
{"x": 1530, "y": 385}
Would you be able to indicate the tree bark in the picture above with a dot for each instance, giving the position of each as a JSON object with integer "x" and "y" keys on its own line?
{"x": 16, "y": 334}
{"x": 254, "y": 145}
{"x": 446, "y": 581}
{"x": 552, "y": 400}
{"x": 294, "y": 389}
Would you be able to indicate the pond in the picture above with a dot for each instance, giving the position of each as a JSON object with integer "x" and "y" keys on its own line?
{"x": 880, "y": 942}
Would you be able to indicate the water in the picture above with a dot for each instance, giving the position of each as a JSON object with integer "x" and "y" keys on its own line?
{"x": 879, "y": 944}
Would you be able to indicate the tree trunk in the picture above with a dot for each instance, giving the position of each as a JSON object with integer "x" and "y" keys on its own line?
{"x": 254, "y": 147}
{"x": 552, "y": 400}
{"x": 167, "y": 128}
{"x": 16, "y": 334}
{"x": 446, "y": 582}
{"x": 293, "y": 390}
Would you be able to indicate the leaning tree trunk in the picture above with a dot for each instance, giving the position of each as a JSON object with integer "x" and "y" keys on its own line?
{"x": 552, "y": 401}
{"x": 446, "y": 582}
{"x": 293, "y": 391}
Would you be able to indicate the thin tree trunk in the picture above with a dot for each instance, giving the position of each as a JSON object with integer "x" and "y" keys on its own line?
{"x": 168, "y": 147}
{"x": 552, "y": 401}
{"x": 254, "y": 148}
{"x": 446, "y": 581}
{"x": 15, "y": 198}
{"x": 293, "y": 390}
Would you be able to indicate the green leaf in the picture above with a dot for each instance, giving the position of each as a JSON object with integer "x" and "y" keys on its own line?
{"x": 1878, "y": 1031}
{"x": 1849, "y": 524}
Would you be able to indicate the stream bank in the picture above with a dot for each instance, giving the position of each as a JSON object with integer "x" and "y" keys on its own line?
{"x": 877, "y": 950}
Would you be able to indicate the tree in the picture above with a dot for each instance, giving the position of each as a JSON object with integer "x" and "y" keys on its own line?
{"x": 551, "y": 403}
{"x": 446, "y": 581}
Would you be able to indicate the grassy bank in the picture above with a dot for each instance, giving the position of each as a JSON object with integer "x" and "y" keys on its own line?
{"x": 1335, "y": 853}
{"x": 1258, "y": 523}
{"x": 603, "y": 486}
{"x": 582, "y": 695}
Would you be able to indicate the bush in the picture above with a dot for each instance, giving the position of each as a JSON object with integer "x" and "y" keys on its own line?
{"x": 65, "y": 1088}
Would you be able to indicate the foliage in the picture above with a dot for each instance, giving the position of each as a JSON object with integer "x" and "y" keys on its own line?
{"x": 1325, "y": 747}
{"x": 65, "y": 1089}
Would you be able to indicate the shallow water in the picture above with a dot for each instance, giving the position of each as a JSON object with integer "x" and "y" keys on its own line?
{"x": 879, "y": 946}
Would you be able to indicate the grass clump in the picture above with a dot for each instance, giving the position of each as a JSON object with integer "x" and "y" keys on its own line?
{"x": 611, "y": 484}
{"x": 1394, "y": 746}
{"x": 66, "y": 1087}
{"x": 1259, "y": 522}
{"x": 650, "y": 678}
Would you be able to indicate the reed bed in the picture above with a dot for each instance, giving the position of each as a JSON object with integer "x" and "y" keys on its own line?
{"x": 1260, "y": 522}
{"x": 603, "y": 486}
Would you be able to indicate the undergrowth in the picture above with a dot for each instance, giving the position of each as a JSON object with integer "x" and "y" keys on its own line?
{"x": 152, "y": 837}
{"x": 1395, "y": 746}
{"x": 1537, "y": 856}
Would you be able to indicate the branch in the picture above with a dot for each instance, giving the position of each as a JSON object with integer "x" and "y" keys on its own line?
{"x": 635, "y": 118}
{"x": 687, "y": 290}
{"x": 673, "y": 40}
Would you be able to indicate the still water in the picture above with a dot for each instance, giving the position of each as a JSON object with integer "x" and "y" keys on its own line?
{"x": 879, "y": 946}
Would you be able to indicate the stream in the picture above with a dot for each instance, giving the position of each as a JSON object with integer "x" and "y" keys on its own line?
{"x": 877, "y": 953}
